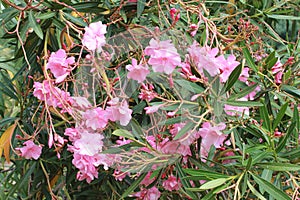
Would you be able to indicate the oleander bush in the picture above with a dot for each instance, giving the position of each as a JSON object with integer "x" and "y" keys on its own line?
{"x": 150, "y": 99}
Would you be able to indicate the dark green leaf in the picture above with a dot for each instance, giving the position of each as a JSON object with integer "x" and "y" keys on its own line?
{"x": 291, "y": 90}
{"x": 235, "y": 74}
{"x": 36, "y": 27}
{"x": 133, "y": 186}
{"x": 280, "y": 115}
{"x": 248, "y": 57}
{"x": 184, "y": 130}
{"x": 243, "y": 93}
{"x": 282, "y": 142}
{"x": 243, "y": 103}
{"x": 140, "y": 7}
{"x": 279, "y": 166}
{"x": 270, "y": 188}
{"x": 265, "y": 117}
{"x": 190, "y": 86}
{"x": 284, "y": 17}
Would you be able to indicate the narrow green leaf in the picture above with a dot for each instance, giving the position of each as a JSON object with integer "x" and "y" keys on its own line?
{"x": 291, "y": 90}
{"x": 265, "y": 117}
{"x": 123, "y": 133}
{"x": 212, "y": 184}
{"x": 140, "y": 7}
{"x": 235, "y": 74}
{"x": 133, "y": 186}
{"x": 185, "y": 129}
{"x": 243, "y": 93}
{"x": 206, "y": 175}
{"x": 280, "y": 115}
{"x": 190, "y": 86}
{"x": 36, "y": 27}
{"x": 270, "y": 57}
{"x": 282, "y": 142}
{"x": 255, "y": 192}
{"x": 279, "y": 166}
{"x": 248, "y": 57}
{"x": 270, "y": 188}
{"x": 171, "y": 121}
{"x": 185, "y": 183}
{"x": 244, "y": 103}
{"x": 284, "y": 17}
{"x": 46, "y": 15}
{"x": 136, "y": 129}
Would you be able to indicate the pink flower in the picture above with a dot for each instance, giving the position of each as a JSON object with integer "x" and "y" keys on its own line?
{"x": 89, "y": 143}
{"x": 175, "y": 147}
{"x": 163, "y": 56}
{"x": 227, "y": 66}
{"x": 204, "y": 58}
{"x": 59, "y": 65}
{"x": 119, "y": 111}
{"x": 30, "y": 150}
{"x": 93, "y": 37}
{"x": 236, "y": 110}
{"x": 85, "y": 164}
{"x": 152, "y": 109}
{"x": 172, "y": 183}
{"x": 53, "y": 96}
{"x": 277, "y": 69}
{"x": 72, "y": 133}
{"x": 186, "y": 139}
{"x": 211, "y": 135}
{"x": 244, "y": 75}
{"x": 137, "y": 72}
{"x": 96, "y": 118}
{"x": 147, "y": 92}
{"x": 148, "y": 194}
{"x": 81, "y": 103}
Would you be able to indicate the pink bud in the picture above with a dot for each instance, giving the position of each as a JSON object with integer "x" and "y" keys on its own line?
{"x": 193, "y": 26}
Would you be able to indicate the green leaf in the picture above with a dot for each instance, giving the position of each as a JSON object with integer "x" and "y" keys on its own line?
{"x": 206, "y": 175}
{"x": 243, "y": 93}
{"x": 46, "y": 15}
{"x": 270, "y": 188}
{"x": 36, "y": 27}
{"x": 91, "y": 7}
{"x": 248, "y": 57}
{"x": 136, "y": 129}
{"x": 255, "y": 192}
{"x": 291, "y": 90}
{"x": 280, "y": 115}
{"x": 279, "y": 166}
{"x": 140, "y": 7}
{"x": 244, "y": 103}
{"x": 123, "y": 133}
{"x": 235, "y": 74}
{"x": 265, "y": 117}
{"x": 284, "y": 17}
{"x": 212, "y": 184}
{"x": 185, "y": 129}
{"x": 190, "y": 86}
{"x": 171, "y": 121}
{"x": 185, "y": 183}
{"x": 133, "y": 186}
{"x": 282, "y": 142}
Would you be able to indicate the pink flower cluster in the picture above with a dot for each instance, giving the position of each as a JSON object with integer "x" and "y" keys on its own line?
{"x": 205, "y": 58}
{"x": 163, "y": 56}
{"x": 277, "y": 69}
{"x": 60, "y": 65}
{"x": 53, "y": 96}
{"x": 137, "y": 72}
{"x": 93, "y": 37}
{"x": 30, "y": 150}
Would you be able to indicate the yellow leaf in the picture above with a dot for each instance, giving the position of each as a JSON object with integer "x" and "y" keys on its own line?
{"x": 5, "y": 141}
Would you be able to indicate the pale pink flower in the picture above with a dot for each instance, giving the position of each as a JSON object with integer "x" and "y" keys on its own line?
{"x": 147, "y": 180}
{"x": 89, "y": 143}
{"x": 85, "y": 164}
{"x": 96, "y": 118}
{"x": 204, "y": 58}
{"x": 81, "y": 103}
{"x": 93, "y": 37}
{"x": 227, "y": 66}
{"x": 152, "y": 109}
{"x": 186, "y": 139}
{"x": 137, "y": 72}
{"x": 119, "y": 111}
{"x": 211, "y": 135}
{"x": 278, "y": 77}
{"x": 60, "y": 65}
{"x": 106, "y": 160}
{"x": 252, "y": 94}
{"x": 163, "y": 56}
{"x": 172, "y": 183}
{"x": 72, "y": 133}
{"x": 30, "y": 150}
{"x": 175, "y": 147}
{"x": 53, "y": 96}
